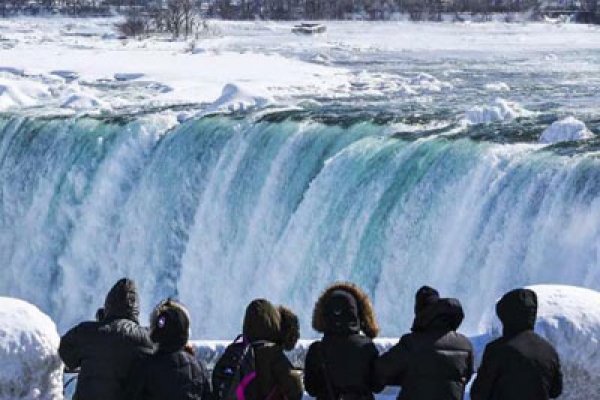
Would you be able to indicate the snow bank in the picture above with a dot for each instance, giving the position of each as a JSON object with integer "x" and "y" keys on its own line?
{"x": 131, "y": 76}
{"x": 81, "y": 102}
{"x": 235, "y": 97}
{"x": 569, "y": 317}
{"x": 500, "y": 110}
{"x": 20, "y": 93}
{"x": 12, "y": 71}
{"x": 31, "y": 368}
{"x": 565, "y": 130}
{"x": 66, "y": 75}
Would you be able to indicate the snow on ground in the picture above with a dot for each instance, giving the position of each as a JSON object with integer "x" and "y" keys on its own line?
{"x": 267, "y": 61}
{"x": 55, "y": 55}
{"x": 565, "y": 130}
{"x": 30, "y": 367}
{"x": 569, "y": 318}
{"x": 20, "y": 93}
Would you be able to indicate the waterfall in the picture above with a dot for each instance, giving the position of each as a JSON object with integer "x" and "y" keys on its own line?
{"x": 219, "y": 210}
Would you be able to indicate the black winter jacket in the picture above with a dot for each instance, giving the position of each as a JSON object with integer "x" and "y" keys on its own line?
{"x": 349, "y": 361}
{"x": 341, "y": 364}
{"x": 434, "y": 362}
{"x": 173, "y": 375}
{"x": 520, "y": 365}
{"x": 105, "y": 351}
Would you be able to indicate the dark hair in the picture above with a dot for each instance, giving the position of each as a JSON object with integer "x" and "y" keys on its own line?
{"x": 170, "y": 325}
{"x": 290, "y": 328}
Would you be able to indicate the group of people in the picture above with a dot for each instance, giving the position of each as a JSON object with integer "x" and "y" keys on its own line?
{"x": 120, "y": 360}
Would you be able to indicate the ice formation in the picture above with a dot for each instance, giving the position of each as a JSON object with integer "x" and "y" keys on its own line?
{"x": 20, "y": 93}
{"x": 500, "y": 110}
{"x": 30, "y": 367}
{"x": 565, "y": 130}
{"x": 235, "y": 98}
{"x": 80, "y": 102}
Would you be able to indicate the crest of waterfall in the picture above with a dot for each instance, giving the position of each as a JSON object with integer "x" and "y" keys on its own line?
{"x": 220, "y": 210}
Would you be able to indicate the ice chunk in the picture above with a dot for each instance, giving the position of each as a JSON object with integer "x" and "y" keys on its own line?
{"x": 80, "y": 102}
{"x": 429, "y": 82}
{"x": 21, "y": 93}
{"x": 31, "y": 367}
{"x": 12, "y": 71}
{"x": 500, "y": 110}
{"x": 123, "y": 77}
{"x": 237, "y": 98}
{"x": 66, "y": 74}
{"x": 569, "y": 317}
{"x": 565, "y": 130}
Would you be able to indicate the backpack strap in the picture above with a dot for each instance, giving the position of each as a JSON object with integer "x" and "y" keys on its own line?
{"x": 324, "y": 369}
{"x": 259, "y": 344}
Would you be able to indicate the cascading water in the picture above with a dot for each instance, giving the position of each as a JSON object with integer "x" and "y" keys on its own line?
{"x": 220, "y": 210}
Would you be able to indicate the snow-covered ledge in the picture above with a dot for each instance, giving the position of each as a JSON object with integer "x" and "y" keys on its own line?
{"x": 30, "y": 366}
{"x": 569, "y": 318}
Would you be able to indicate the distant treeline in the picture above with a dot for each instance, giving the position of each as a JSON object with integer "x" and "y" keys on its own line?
{"x": 307, "y": 9}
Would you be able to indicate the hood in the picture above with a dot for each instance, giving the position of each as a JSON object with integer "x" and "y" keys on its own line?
{"x": 170, "y": 326}
{"x": 262, "y": 322}
{"x": 443, "y": 315}
{"x": 517, "y": 310}
{"x": 344, "y": 309}
{"x": 122, "y": 301}
{"x": 425, "y": 297}
{"x": 100, "y": 314}
{"x": 290, "y": 328}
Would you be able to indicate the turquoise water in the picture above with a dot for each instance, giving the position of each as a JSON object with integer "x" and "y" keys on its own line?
{"x": 219, "y": 210}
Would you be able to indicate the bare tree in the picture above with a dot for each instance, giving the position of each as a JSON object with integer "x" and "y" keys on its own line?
{"x": 136, "y": 24}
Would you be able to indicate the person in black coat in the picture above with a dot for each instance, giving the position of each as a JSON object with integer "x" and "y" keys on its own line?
{"x": 173, "y": 372}
{"x": 340, "y": 366}
{"x": 520, "y": 365}
{"x": 434, "y": 362}
{"x": 105, "y": 350}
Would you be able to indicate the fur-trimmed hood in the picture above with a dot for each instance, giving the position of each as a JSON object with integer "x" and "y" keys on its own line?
{"x": 290, "y": 328}
{"x": 345, "y": 308}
